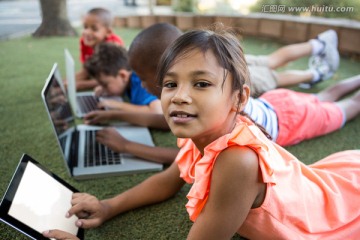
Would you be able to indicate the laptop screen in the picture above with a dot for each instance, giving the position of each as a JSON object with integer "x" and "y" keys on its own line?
{"x": 59, "y": 110}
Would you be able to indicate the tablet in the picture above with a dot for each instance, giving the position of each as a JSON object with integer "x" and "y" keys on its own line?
{"x": 37, "y": 200}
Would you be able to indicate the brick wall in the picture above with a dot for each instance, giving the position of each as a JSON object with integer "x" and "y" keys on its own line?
{"x": 283, "y": 28}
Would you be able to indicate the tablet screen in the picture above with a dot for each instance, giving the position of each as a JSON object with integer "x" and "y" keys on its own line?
{"x": 40, "y": 212}
{"x": 39, "y": 200}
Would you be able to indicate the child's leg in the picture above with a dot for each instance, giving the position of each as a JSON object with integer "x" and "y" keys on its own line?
{"x": 302, "y": 116}
{"x": 351, "y": 106}
{"x": 289, "y": 53}
{"x": 325, "y": 58}
{"x": 293, "y": 52}
{"x": 293, "y": 77}
{"x": 306, "y": 78}
{"x": 340, "y": 89}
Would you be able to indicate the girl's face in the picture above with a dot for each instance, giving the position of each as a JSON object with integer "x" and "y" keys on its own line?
{"x": 195, "y": 102}
{"x": 94, "y": 31}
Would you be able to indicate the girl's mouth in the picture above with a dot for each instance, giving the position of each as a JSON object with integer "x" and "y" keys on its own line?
{"x": 181, "y": 117}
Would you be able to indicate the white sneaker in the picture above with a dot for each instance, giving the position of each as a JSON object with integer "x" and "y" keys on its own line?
{"x": 322, "y": 68}
{"x": 330, "y": 52}
{"x": 329, "y": 37}
{"x": 332, "y": 57}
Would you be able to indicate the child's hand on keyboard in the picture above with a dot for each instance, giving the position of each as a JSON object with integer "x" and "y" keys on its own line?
{"x": 111, "y": 138}
{"x": 97, "y": 117}
{"x": 110, "y": 104}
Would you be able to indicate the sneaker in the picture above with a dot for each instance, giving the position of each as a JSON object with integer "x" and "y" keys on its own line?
{"x": 327, "y": 61}
{"x": 328, "y": 37}
{"x": 330, "y": 52}
{"x": 324, "y": 71}
{"x": 332, "y": 57}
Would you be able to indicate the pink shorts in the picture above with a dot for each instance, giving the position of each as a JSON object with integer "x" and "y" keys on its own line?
{"x": 302, "y": 116}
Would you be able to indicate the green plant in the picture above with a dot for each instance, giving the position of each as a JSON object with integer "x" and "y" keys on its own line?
{"x": 183, "y": 5}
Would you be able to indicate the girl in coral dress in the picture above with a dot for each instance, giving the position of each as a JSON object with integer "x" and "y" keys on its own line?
{"x": 241, "y": 181}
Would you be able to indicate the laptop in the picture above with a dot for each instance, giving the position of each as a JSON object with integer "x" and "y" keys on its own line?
{"x": 81, "y": 102}
{"x": 37, "y": 200}
{"x": 84, "y": 156}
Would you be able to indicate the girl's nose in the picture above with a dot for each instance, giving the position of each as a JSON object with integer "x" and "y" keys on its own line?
{"x": 181, "y": 96}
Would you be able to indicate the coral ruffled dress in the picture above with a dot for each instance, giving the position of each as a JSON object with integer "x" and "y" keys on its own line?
{"x": 318, "y": 201}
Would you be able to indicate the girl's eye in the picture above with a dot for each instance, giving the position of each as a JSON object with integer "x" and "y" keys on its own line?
{"x": 202, "y": 84}
{"x": 169, "y": 85}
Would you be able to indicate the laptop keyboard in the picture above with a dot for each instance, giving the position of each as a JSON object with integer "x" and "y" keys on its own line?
{"x": 97, "y": 154}
{"x": 87, "y": 103}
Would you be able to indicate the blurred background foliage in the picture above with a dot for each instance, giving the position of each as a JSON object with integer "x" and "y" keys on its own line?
{"x": 348, "y": 9}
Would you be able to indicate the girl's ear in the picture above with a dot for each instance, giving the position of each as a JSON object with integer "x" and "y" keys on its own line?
{"x": 236, "y": 102}
{"x": 241, "y": 101}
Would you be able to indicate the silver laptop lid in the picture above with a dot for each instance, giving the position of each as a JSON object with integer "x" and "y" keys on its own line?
{"x": 60, "y": 114}
{"x": 70, "y": 77}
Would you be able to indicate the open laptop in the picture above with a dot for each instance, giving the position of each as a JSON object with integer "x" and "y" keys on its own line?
{"x": 81, "y": 102}
{"x": 83, "y": 155}
{"x": 37, "y": 200}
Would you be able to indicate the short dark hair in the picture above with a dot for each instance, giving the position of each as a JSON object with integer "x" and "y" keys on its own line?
{"x": 104, "y": 15}
{"x": 108, "y": 59}
{"x": 148, "y": 46}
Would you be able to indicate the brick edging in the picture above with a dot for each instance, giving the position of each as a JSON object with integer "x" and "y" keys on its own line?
{"x": 283, "y": 28}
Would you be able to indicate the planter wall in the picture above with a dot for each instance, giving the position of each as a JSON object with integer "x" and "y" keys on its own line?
{"x": 283, "y": 28}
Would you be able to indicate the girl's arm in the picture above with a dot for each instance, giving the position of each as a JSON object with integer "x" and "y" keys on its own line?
{"x": 236, "y": 187}
{"x": 150, "y": 120}
{"x": 111, "y": 138}
{"x": 153, "y": 107}
{"x": 92, "y": 212}
{"x": 155, "y": 189}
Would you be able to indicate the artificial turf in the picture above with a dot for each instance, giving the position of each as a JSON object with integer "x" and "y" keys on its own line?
{"x": 25, "y": 128}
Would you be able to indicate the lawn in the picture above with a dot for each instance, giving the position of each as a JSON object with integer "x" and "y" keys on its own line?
{"x": 25, "y": 128}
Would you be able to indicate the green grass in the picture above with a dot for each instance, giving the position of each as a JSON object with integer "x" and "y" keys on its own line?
{"x": 25, "y": 128}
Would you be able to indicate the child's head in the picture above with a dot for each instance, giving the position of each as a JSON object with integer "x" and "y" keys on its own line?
{"x": 145, "y": 52}
{"x": 109, "y": 65}
{"x": 96, "y": 26}
{"x": 204, "y": 80}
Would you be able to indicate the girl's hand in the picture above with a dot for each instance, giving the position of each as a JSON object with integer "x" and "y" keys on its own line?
{"x": 59, "y": 235}
{"x": 111, "y": 138}
{"x": 90, "y": 211}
